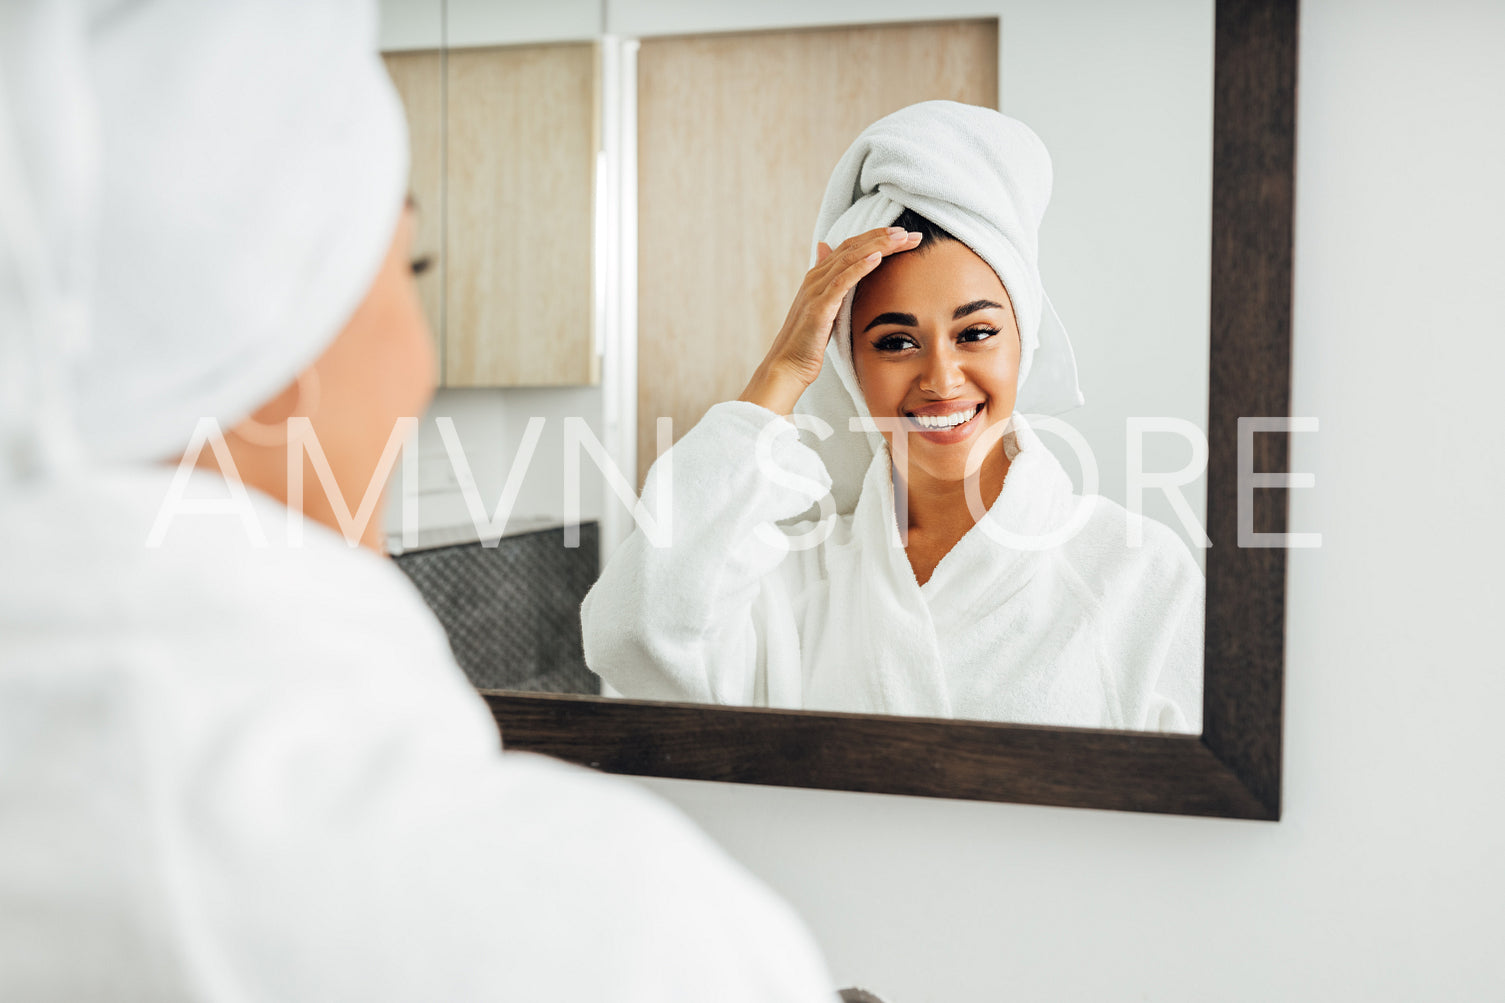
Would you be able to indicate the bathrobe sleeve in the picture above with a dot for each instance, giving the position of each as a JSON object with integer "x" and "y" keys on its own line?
{"x": 706, "y": 612}
{"x": 1177, "y": 662}
{"x": 1151, "y": 616}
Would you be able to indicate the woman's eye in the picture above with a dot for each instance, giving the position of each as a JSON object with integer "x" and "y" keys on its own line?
{"x": 977, "y": 334}
{"x": 893, "y": 343}
{"x": 421, "y": 265}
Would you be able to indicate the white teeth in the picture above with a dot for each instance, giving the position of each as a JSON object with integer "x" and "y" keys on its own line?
{"x": 943, "y": 420}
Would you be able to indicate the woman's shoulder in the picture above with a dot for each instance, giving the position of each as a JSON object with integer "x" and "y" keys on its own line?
{"x": 1117, "y": 547}
{"x": 122, "y": 555}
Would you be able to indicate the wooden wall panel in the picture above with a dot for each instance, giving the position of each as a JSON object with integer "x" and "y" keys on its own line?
{"x": 737, "y": 135}
{"x": 520, "y": 168}
{"x": 418, "y": 77}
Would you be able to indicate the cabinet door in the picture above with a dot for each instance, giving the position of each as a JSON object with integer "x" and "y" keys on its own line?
{"x": 737, "y": 135}
{"x": 419, "y": 81}
{"x": 520, "y": 156}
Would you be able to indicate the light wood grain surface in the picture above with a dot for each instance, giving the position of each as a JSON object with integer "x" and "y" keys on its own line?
{"x": 419, "y": 81}
{"x": 520, "y": 166}
{"x": 737, "y": 135}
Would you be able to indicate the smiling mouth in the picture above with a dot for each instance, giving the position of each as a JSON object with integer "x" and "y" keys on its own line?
{"x": 943, "y": 422}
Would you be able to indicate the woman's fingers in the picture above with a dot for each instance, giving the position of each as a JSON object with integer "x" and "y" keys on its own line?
{"x": 840, "y": 270}
{"x": 849, "y": 276}
{"x": 866, "y": 252}
{"x": 795, "y": 357}
{"x": 882, "y": 241}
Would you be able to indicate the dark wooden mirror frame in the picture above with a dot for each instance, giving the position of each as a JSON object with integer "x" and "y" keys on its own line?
{"x": 1233, "y": 768}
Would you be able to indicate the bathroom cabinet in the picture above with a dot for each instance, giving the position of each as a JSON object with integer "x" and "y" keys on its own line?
{"x": 520, "y": 155}
{"x": 504, "y": 142}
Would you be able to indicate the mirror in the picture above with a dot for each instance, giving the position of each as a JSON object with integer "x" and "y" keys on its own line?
{"x": 1097, "y": 631}
{"x": 1226, "y": 214}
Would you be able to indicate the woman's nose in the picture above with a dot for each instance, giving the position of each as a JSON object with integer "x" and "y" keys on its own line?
{"x": 943, "y": 376}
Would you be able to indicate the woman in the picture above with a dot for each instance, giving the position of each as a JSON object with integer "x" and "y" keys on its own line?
{"x": 951, "y": 572}
{"x": 237, "y": 760}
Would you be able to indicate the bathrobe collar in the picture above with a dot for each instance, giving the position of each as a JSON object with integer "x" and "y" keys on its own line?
{"x": 1036, "y": 500}
{"x": 979, "y": 573}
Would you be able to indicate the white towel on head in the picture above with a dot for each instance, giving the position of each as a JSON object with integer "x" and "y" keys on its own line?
{"x": 983, "y": 177}
{"x": 193, "y": 200}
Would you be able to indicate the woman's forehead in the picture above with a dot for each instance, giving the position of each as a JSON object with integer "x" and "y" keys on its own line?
{"x": 935, "y": 279}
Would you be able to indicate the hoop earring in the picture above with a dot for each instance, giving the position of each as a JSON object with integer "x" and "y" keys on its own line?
{"x": 271, "y": 436}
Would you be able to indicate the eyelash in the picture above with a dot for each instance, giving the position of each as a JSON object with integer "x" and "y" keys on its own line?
{"x": 420, "y": 265}
{"x": 894, "y": 343}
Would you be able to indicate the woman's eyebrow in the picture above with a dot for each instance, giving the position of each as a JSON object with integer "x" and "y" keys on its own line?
{"x": 975, "y": 306}
{"x": 906, "y": 319}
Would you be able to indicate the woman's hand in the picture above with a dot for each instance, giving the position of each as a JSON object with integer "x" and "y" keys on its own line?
{"x": 793, "y": 361}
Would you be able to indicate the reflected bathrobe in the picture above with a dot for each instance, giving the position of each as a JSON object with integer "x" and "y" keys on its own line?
{"x": 231, "y": 772}
{"x": 1091, "y": 632}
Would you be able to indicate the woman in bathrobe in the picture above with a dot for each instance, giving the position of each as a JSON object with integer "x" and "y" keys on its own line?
{"x": 949, "y": 570}
{"x": 237, "y": 759}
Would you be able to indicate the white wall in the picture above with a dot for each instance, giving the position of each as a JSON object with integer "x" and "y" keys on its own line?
{"x": 1386, "y": 879}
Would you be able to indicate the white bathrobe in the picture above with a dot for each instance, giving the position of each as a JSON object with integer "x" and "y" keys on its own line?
{"x": 228, "y": 773}
{"x": 239, "y": 773}
{"x": 1090, "y": 633}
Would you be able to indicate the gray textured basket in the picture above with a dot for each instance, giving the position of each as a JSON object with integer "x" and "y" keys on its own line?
{"x": 512, "y": 612}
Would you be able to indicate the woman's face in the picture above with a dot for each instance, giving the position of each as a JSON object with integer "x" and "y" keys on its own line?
{"x": 935, "y": 344}
{"x": 380, "y": 368}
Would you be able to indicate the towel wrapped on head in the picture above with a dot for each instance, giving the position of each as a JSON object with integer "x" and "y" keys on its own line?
{"x": 983, "y": 177}
{"x": 194, "y": 198}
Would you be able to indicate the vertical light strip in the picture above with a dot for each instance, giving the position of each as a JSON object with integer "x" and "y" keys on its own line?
{"x": 443, "y": 276}
{"x": 626, "y": 380}
{"x": 606, "y": 194}
{"x": 607, "y": 258}
{"x": 604, "y": 249}
{"x": 616, "y": 261}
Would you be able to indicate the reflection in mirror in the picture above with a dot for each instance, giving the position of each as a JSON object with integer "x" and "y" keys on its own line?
{"x": 954, "y": 569}
{"x": 950, "y": 570}
{"x": 898, "y": 594}
{"x": 504, "y": 146}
